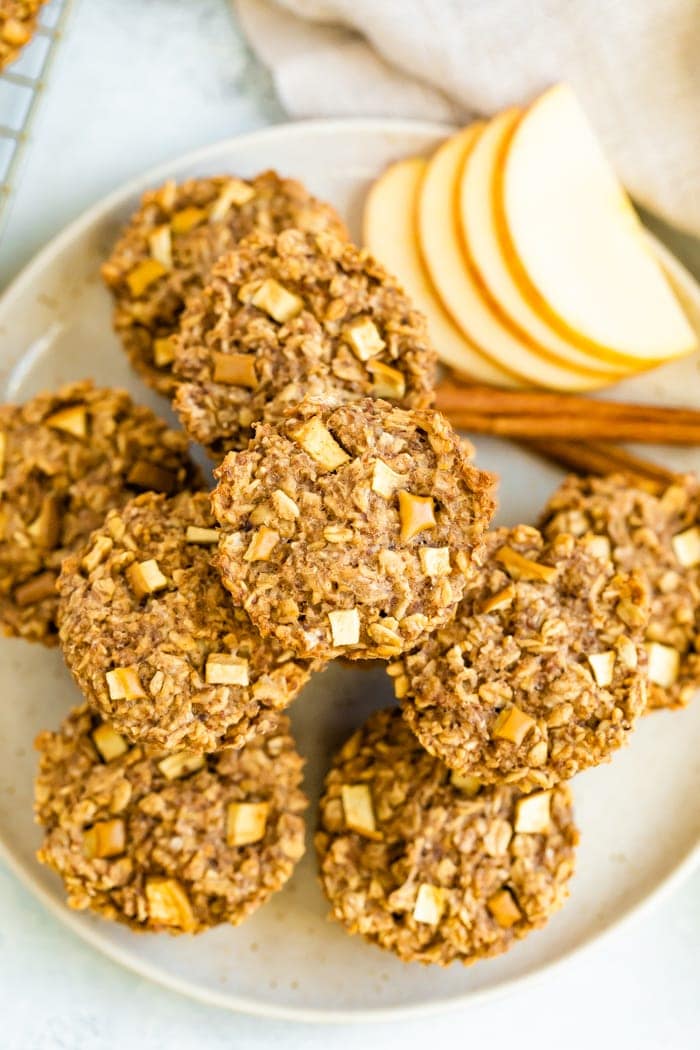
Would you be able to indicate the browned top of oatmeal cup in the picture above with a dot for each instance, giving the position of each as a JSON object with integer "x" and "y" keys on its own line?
{"x": 348, "y": 530}
{"x": 430, "y": 866}
{"x": 154, "y": 641}
{"x": 18, "y": 20}
{"x": 66, "y": 458}
{"x": 541, "y": 674}
{"x": 659, "y": 536}
{"x": 168, "y": 842}
{"x": 173, "y": 239}
{"x": 292, "y": 315}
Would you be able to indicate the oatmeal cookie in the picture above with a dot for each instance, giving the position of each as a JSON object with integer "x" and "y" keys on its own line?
{"x": 18, "y": 20}
{"x": 431, "y": 866}
{"x": 168, "y": 842}
{"x": 658, "y": 535}
{"x": 543, "y": 671}
{"x": 349, "y": 529}
{"x": 154, "y": 641}
{"x": 171, "y": 243}
{"x": 292, "y": 315}
{"x": 66, "y": 458}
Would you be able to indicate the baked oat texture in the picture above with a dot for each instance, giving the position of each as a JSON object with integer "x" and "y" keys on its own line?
{"x": 173, "y": 239}
{"x": 203, "y": 678}
{"x": 349, "y": 530}
{"x": 18, "y": 20}
{"x": 659, "y": 536}
{"x": 344, "y": 327}
{"x": 541, "y": 674}
{"x": 66, "y": 458}
{"x": 153, "y": 850}
{"x": 445, "y": 876}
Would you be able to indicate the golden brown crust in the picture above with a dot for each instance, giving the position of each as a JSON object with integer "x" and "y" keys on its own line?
{"x": 641, "y": 529}
{"x": 351, "y": 560}
{"x": 172, "y": 637}
{"x": 430, "y": 833}
{"x": 172, "y": 830}
{"x": 197, "y": 239}
{"x": 337, "y": 291}
{"x": 541, "y": 674}
{"x": 66, "y": 458}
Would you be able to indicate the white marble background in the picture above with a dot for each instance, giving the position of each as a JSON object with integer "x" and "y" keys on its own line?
{"x": 136, "y": 82}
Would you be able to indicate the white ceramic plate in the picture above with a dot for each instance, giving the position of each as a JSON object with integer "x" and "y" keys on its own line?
{"x": 639, "y": 816}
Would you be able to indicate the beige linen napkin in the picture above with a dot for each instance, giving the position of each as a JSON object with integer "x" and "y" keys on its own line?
{"x": 635, "y": 64}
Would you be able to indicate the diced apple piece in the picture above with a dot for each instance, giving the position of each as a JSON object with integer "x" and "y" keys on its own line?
{"x": 522, "y": 568}
{"x": 107, "y": 838}
{"x": 532, "y": 814}
{"x": 417, "y": 513}
{"x": 358, "y": 810}
{"x": 181, "y": 764}
{"x": 168, "y": 903}
{"x": 71, "y": 420}
{"x": 686, "y": 547}
{"x": 363, "y": 336}
{"x": 430, "y": 904}
{"x": 501, "y": 600}
{"x": 389, "y": 233}
{"x": 160, "y": 246}
{"x": 513, "y": 725}
{"x": 226, "y": 669}
{"x": 466, "y": 783}
{"x": 504, "y": 909}
{"x": 235, "y": 369}
{"x": 246, "y": 822}
{"x": 262, "y": 544}
{"x": 575, "y": 242}
{"x": 276, "y": 301}
{"x": 317, "y": 440}
{"x": 186, "y": 219}
{"x": 387, "y": 382}
{"x": 146, "y": 578}
{"x": 196, "y": 534}
{"x": 124, "y": 683}
{"x": 108, "y": 742}
{"x": 664, "y": 664}
{"x": 603, "y": 666}
{"x": 345, "y": 626}
{"x": 385, "y": 481}
{"x": 435, "y": 561}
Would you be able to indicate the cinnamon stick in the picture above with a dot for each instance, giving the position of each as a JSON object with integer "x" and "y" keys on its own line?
{"x": 574, "y": 426}
{"x": 591, "y": 458}
{"x": 455, "y": 397}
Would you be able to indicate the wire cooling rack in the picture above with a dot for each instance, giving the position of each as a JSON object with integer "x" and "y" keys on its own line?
{"x": 21, "y": 87}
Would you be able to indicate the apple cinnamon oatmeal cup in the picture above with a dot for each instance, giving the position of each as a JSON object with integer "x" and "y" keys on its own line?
{"x": 18, "y": 19}
{"x": 173, "y": 239}
{"x": 659, "y": 536}
{"x": 350, "y": 529}
{"x": 288, "y": 316}
{"x": 66, "y": 458}
{"x": 155, "y": 643}
{"x": 432, "y": 866}
{"x": 543, "y": 671}
{"x": 174, "y": 842}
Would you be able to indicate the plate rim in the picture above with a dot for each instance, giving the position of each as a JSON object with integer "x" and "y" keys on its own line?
{"x": 30, "y": 879}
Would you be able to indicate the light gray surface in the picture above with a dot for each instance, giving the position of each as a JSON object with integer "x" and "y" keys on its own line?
{"x": 135, "y": 84}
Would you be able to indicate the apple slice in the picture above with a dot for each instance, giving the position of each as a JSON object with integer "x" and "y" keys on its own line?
{"x": 389, "y": 233}
{"x": 576, "y": 243}
{"x": 457, "y": 286}
{"x": 483, "y": 247}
